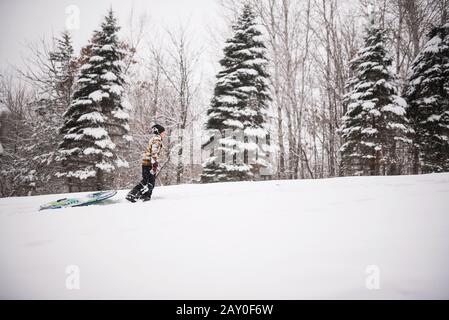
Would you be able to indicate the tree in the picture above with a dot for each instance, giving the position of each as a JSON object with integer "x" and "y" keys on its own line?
{"x": 428, "y": 97}
{"x": 53, "y": 99}
{"x": 65, "y": 68}
{"x": 374, "y": 127}
{"x": 4, "y": 111}
{"x": 240, "y": 100}
{"x": 17, "y": 174}
{"x": 97, "y": 120}
{"x": 49, "y": 72}
{"x": 178, "y": 64}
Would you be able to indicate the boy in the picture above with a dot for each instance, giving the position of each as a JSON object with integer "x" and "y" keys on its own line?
{"x": 149, "y": 166}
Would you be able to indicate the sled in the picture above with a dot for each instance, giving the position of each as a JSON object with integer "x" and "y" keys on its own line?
{"x": 91, "y": 198}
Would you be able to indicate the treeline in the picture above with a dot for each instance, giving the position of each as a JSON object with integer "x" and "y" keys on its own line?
{"x": 354, "y": 89}
{"x": 313, "y": 45}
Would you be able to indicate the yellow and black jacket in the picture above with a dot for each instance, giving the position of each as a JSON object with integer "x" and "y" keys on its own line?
{"x": 152, "y": 151}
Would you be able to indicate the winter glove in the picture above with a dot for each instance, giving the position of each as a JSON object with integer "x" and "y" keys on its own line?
{"x": 154, "y": 165}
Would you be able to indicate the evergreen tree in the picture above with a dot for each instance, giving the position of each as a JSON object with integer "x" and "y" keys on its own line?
{"x": 428, "y": 98}
{"x": 57, "y": 96}
{"x": 97, "y": 119}
{"x": 65, "y": 68}
{"x": 30, "y": 165}
{"x": 53, "y": 99}
{"x": 374, "y": 129}
{"x": 240, "y": 101}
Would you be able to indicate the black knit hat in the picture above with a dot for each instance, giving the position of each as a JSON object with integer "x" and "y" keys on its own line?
{"x": 157, "y": 129}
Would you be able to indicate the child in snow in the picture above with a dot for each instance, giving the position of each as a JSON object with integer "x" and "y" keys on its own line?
{"x": 144, "y": 189}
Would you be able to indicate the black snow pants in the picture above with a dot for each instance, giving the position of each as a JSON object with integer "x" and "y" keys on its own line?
{"x": 146, "y": 186}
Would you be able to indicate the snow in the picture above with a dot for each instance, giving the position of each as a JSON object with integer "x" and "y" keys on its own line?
{"x": 105, "y": 166}
{"x": 109, "y": 76}
{"x": 380, "y": 68}
{"x": 369, "y": 131}
{"x": 119, "y": 63}
{"x": 258, "y": 39}
{"x": 364, "y": 85}
{"x": 126, "y": 104}
{"x": 433, "y": 45}
{"x": 256, "y": 132}
{"x": 81, "y": 80}
{"x": 430, "y": 100}
{"x": 120, "y": 114}
{"x": 245, "y": 52}
{"x": 81, "y": 174}
{"x": 233, "y": 123}
{"x": 433, "y": 117}
{"x": 398, "y": 126}
{"x": 67, "y": 152}
{"x": 247, "y": 89}
{"x": 116, "y": 89}
{"x": 245, "y": 240}
{"x": 128, "y": 138}
{"x": 394, "y": 108}
{"x": 350, "y": 129}
{"x": 400, "y": 102}
{"x": 105, "y": 144}
{"x": 227, "y": 142}
{"x": 227, "y": 99}
{"x": 96, "y": 59}
{"x": 246, "y": 72}
{"x": 375, "y": 112}
{"x": 368, "y": 64}
{"x": 257, "y": 61}
{"x": 353, "y": 105}
{"x": 120, "y": 163}
{"x": 73, "y": 136}
{"x": 86, "y": 66}
{"x": 368, "y": 105}
{"x": 95, "y": 117}
{"x": 236, "y": 167}
{"x": 91, "y": 150}
{"x": 245, "y": 112}
{"x": 82, "y": 102}
{"x": 368, "y": 144}
{"x": 3, "y": 108}
{"x": 96, "y": 133}
{"x": 106, "y": 47}
{"x": 98, "y": 95}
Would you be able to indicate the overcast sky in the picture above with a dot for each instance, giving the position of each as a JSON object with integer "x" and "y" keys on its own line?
{"x": 22, "y": 21}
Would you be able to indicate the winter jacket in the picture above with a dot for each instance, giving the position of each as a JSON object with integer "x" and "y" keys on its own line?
{"x": 152, "y": 151}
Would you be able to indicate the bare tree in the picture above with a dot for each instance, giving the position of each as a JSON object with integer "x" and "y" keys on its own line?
{"x": 18, "y": 172}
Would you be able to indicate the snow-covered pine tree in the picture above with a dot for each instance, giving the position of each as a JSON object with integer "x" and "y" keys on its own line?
{"x": 32, "y": 138}
{"x": 97, "y": 119}
{"x": 64, "y": 62}
{"x": 54, "y": 93}
{"x": 240, "y": 101}
{"x": 374, "y": 129}
{"x": 56, "y": 97}
{"x": 428, "y": 97}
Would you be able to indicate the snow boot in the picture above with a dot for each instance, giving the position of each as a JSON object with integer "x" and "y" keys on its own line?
{"x": 131, "y": 197}
{"x": 136, "y": 192}
{"x": 146, "y": 196}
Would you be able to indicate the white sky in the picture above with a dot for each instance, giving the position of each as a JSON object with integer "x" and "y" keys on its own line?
{"x": 23, "y": 21}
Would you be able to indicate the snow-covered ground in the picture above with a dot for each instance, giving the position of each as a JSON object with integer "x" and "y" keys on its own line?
{"x": 265, "y": 240}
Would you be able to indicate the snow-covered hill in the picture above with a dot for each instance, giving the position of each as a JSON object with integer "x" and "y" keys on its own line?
{"x": 265, "y": 240}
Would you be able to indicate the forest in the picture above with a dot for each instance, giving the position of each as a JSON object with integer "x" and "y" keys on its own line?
{"x": 307, "y": 88}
